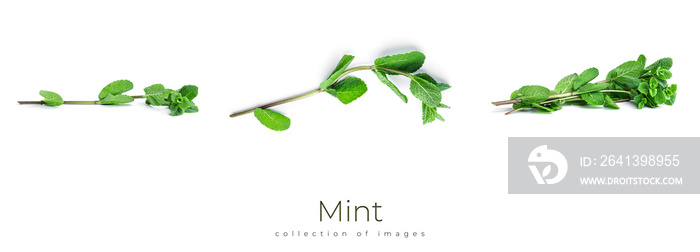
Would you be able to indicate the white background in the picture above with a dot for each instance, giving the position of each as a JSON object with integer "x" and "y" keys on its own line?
{"x": 132, "y": 178}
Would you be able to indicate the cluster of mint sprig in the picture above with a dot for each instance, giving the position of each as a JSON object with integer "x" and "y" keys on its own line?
{"x": 630, "y": 82}
{"x": 346, "y": 90}
{"x": 178, "y": 101}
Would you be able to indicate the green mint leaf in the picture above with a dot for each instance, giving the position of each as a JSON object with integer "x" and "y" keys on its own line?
{"x": 641, "y": 103}
{"x": 441, "y": 86}
{"x": 543, "y": 108}
{"x": 184, "y": 103}
{"x": 51, "y": 98}
{"x": 429, "y": 113}
{"x": 180, "y": 103}
{"x": 331, "y": 92}
{"x": 671, "y": 100}
{"x": 192, "y": 109}
{"x": 154, "y": 89}
{"x": 438, "y": 116}
{"x": 116, "y": 88}
{"x": 425, "y": 91}
{"x": 407, "y": 62}
{"x": 609, "y": 103}
{"x": 585, "y": 77}
{"x": 442, "y": 106}
{"x": 175, "y": 109}
{"x": 628, "y": 83}
{"x": 592, "y": 87}
{"x": 116, "y": 99}
{"x": 662, "y": 83}
{"x": 626, "y": 75}
{"x": 556, "y": 105}
{"x": 272, "y": 120}
{"x": 660, "y": 97}
{"x": 348, "y": 89}
{"x": 642, "y": 60}
{"x": 339, "y": 69}
{"x": 664, "y": 74}
{"x": 651, "y": 103}
{"x": 665, "y": 63}
{"x": 595, "y": 98}
{"x": 531, "y": 94}
{"x": 427, "y": 77}
{"x": 566, "y": 84}
{"x": 653, "y": 83}
{"x": 643, "y": 87}
{"x": 383, "y": 78}
{"x": 189, "y": 91}
{"x": 638, "y": 98}
{"x": 155, "y": 95}
{"x": 672, "y": 89}
{"x": 168, "y": 92}
{"x": 175, "y": 97}
{"x": 522, "y": 105}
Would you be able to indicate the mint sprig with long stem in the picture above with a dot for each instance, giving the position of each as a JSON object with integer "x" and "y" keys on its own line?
{"x": 347, "y": 89}
{"x": 630, "y": 82}
{"x": 178, "y": 101}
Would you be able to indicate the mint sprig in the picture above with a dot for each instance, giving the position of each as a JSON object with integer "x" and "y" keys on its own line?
{"x": 346, "y": 90}
{"x": 629, "y": 82}
{"x": 178, "y": 101}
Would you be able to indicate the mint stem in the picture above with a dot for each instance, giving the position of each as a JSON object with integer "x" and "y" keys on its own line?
{"x": 373, "y": 67}
{"x": 561, "y": 99}
{"x": 280, "y": 102}
{"x": 82, "y": 102}
{"x": 316, "y": 91}
{"x": 75, "y": 102}
{"x": 556, "y": 97}
{"x": 30, "y": 102}
{"x": 510, "y": 112}
{"x": 498, "y": 103}
{"x": 615, "y": 91}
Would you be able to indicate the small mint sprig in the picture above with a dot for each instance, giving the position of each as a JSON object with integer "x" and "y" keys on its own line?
{"x": 178, "y": 101}
{"x": 630, "y": 82}
{"x": 346, "y": 90}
